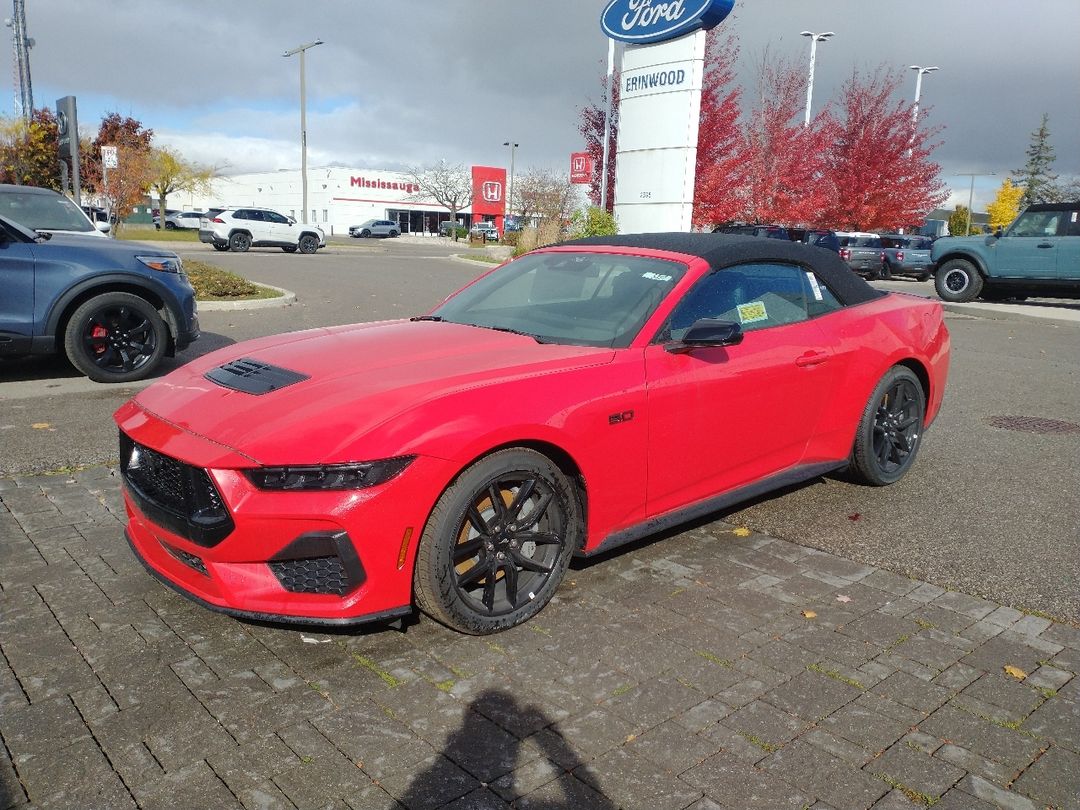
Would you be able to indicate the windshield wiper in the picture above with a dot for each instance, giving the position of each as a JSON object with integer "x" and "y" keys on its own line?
{"x": 537, "y": 338}
{"x": 426, "y": 318}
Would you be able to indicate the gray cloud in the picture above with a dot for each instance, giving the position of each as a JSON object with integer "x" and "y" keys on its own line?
{"x": 418, "y": 80}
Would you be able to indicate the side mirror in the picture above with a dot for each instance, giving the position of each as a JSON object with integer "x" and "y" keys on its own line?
{"x": 999, "y": 232}
{"x": 104, "y": 227}
{"x": 708, "y": 333}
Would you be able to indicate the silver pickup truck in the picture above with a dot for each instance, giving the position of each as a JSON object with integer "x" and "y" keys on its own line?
{"x": 906, "y": 255}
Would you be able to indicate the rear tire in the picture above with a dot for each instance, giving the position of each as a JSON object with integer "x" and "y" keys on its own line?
{"x": 240, "y": 242}
{"x": 958, "y": 281}
{"x": 289, "y": 248}
{"x": 222, "y": 248}
{"x": 890, "y": 430}
{"x": 394, "y": 234}
{"x": 497, "y": 543}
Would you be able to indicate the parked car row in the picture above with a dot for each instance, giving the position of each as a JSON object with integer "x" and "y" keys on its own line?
{"x": 1038, "y": 254}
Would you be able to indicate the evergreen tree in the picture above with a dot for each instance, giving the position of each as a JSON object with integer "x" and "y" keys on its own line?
{"x": 1035, "y": 178}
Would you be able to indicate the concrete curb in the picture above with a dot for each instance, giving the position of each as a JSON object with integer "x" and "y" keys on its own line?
{"x": 1017, "y": 312}
{"x": 287, "y": 298}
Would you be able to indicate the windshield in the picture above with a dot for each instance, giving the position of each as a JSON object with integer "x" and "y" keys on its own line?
{"x": 44, "y": 212}
{"x": 584, "y": 299}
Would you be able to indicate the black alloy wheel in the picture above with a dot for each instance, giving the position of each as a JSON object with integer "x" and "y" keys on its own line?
{"x": 222, "y": 248}
{"x": 116, "y": 337}
{"x": 364, "y": 234}
{"x": 394, "y": 234}
{"x": 240, "y": 242}
{"x": 498, "y": 543}
{"x": 289, "y": 248}
{"x": 308, "y": 243}
{"x": 891, "y": 428}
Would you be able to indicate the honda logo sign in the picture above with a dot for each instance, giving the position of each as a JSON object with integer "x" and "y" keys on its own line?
{"x": 491, "y": 191}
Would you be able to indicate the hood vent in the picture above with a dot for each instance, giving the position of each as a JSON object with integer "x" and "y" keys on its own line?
{"x": 253, "y": 377}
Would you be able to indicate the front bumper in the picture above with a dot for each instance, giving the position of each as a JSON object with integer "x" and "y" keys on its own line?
{"x": 332, "y": 558}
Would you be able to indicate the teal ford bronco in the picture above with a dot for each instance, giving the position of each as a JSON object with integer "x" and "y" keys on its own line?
{"x": 1038, "y": 255}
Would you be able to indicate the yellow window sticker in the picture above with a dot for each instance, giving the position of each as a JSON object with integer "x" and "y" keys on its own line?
{"x": 752, "y": 312}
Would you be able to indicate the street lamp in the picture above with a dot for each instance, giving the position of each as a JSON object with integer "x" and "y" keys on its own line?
{"x": 510, "y": 199}
{"x": 814, "y": 40}
{"x": 303, "y": 122}
{"x": 918, "y": 87}
{"x": 971, "y": 194}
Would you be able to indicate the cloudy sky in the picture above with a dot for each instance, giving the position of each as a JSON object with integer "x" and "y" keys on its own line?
{"x": 414, "y": 81}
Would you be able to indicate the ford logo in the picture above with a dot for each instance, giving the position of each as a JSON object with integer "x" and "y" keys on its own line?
{"x": 643, "y": 21}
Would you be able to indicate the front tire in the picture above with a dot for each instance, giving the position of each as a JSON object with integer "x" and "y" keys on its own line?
{"x": 364, "y": 234}
{"x": 497, "y": 544}
{"x": 116, "y": 337}
{"x": 308, "y": 244}
{"x": 958, "y": 281}
{"x": 890, "y": 430}
{"x": 240, "y": 242}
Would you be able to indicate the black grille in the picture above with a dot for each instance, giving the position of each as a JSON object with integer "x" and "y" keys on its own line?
{"x": 321, "y": 562}
{"x": 187, "y": 558}
{"x": 175, "y": 495}
{"x": 312, "y": 575}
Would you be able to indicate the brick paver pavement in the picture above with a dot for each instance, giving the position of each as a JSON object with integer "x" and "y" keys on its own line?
{"x": 705, "y": 670}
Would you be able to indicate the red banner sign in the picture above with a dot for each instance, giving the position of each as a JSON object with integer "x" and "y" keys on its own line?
{"x": 489, "y": 191}
{"x": 580, "y": 167}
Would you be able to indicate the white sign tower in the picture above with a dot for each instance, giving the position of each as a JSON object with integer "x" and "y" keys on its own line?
{"x": 659, "y": 108}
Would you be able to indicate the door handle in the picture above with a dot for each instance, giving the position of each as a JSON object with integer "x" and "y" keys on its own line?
{"x": 1044, "y": 245}
{"x": 811, "y": 358}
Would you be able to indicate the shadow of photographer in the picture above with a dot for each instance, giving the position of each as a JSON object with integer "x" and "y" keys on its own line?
{"x": 555, "y": 780}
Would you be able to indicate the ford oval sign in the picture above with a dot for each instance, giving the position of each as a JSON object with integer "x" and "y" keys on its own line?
{"x": 643, "y": 21}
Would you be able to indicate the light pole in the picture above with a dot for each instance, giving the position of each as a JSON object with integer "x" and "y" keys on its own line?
{"x": 303, "y": 122}
{"x": 971, "y": 194}
{"x": 510, "y": 197}
{"x": 814, "y": 40}
{"x": 921, "y": 71}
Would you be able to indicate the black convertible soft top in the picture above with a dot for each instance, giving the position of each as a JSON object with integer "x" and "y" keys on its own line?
{"x": 724, "y": 250}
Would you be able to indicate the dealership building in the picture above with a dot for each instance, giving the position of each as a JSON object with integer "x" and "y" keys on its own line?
{"x": 339, "y": 197}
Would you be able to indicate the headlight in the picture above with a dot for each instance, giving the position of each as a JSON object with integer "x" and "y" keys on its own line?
{"x": 329, "y": 476}
{"x": 163, "y": 264}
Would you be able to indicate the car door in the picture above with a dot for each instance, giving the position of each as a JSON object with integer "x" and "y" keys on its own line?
{"x": 280, "y": 228}
{"x": 1029, "y": 249}
{"x": 724, "y": 417}
{"x": 1068, "y": 263}
{"x": 17, "y": 297}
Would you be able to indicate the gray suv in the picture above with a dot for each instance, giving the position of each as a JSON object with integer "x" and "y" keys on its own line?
{"x": 375, "y": 227}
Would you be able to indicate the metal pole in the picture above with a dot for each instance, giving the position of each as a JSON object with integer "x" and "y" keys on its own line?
{"x": 303, "y": 138}
{"x": 303, "y": 124}
{"x": 814, "y": 40}
{"x": 918, "y": 90}
{"x": 607, "y": 124}
{"x": 971, "y": 200}
{"x": 512, "y": 146}
{"x": 810, "y": 81}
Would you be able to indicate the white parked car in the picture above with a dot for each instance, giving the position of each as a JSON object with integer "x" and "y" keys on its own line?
{"x": 485, "y": 229}
{"x": 238, "y": 229}
{"x": 183, "y": 220}
{"x": 42, "y": 209}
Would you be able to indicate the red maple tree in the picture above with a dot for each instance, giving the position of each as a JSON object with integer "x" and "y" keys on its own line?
{"x": 719, "y": 176}
{"x": 591, "y": 127}
{"x": 878, "y": 163}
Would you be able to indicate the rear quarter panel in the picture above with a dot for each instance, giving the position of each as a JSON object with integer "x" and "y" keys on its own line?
{"x": 870, "y": 339}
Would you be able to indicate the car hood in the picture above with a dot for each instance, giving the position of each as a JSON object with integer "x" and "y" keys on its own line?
{"x": 352, "y": 379}
{"x": 105, "y": 248}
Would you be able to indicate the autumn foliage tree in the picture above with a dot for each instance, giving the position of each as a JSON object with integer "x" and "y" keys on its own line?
{"x": 170, "y": 173}
{"x": 591, "y": 127}
{"x": 719, "y": 172}
{"x": 28, "y": 151}
{"x": 1006, "y": 205}
{"x": 129, "y": 183}
{"x": 878, "y": 168}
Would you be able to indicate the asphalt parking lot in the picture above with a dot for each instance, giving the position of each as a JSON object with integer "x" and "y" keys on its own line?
{"x": 831, "y": 646}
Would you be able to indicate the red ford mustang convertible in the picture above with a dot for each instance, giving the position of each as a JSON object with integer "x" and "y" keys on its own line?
{"x": 579, "y": 397}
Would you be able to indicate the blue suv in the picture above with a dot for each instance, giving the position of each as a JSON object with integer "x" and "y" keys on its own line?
{"x": 115, "y": 309}
{"x": 1039, "y": 254}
